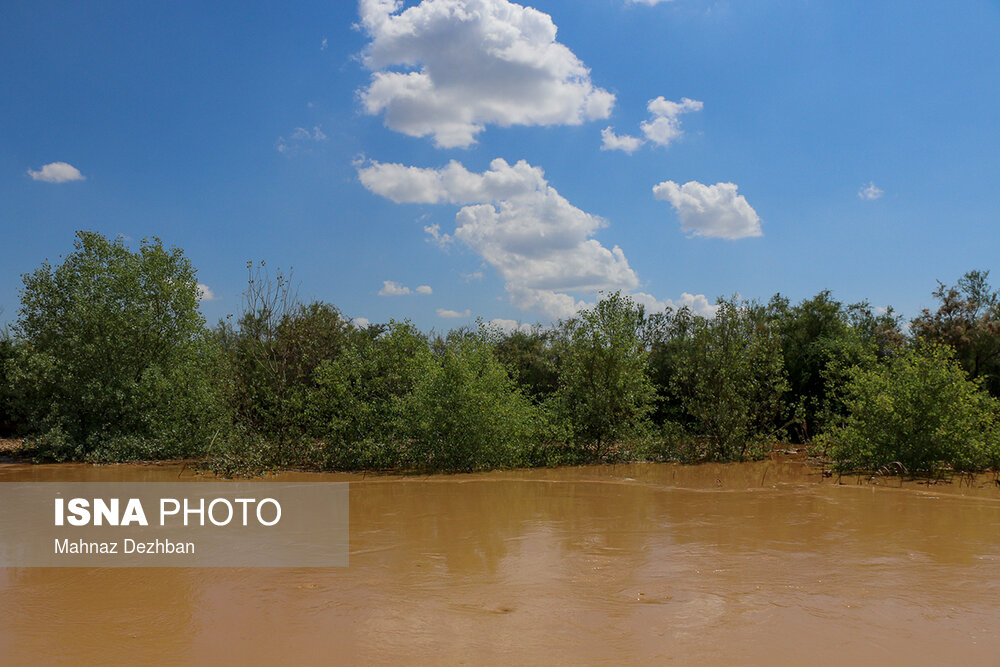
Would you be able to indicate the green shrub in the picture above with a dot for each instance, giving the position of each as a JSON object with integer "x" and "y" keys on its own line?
{"x": 8, "y": 415}
{"x": 728, "y": 376}
{"x": 920, "y": 410}
{"x": 605, "y": 394}
{"x": 968, "y": 321}
{"x": 272, "y": 354}
{"x": 531, "y": 358}
{"x": 358, "y": 408}
{"x": 113, "y": 362}
{"x": 466, "y": 413}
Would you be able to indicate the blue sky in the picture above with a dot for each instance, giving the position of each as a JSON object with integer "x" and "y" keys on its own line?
{"x": 455, "y": 146}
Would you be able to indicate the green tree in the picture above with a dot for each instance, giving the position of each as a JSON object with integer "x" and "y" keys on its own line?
{"x": 728, "y": 376}
{"x": 114, "y": 361}
{"x": 466, "y": 413}
{"x": 8, "y": 416}
{"x": 532, "y": 359}
{"x": 605, "y": 394}
{"x": 968, "y": 321}
{"x": 818, "y": 335}
{"x": 359, "y": 408}
{"x": 920, "y": 410}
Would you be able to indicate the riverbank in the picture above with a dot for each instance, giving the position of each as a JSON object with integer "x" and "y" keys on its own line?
{"x": 785, "y": 464}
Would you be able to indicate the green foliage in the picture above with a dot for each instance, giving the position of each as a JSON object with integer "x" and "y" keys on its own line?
{"x": 110, "y": 361}
{"x": 968, "y": 321}
{"x": 664, "y": 334}
{"x": 273, "y": 354}
{"x": 819, "y": 336}
{"x": 359, "y": 407}
{"x": 920, "y": 410}
{"x": 113, "y": 363}
{"x": 8, "y": 414}
{"x": 813, "y": 333}
{"x": 605, "y": 394}
{"x": 532, "y": 359}
{"x": 466, "y": 413}
{"x": 727, "y": 374}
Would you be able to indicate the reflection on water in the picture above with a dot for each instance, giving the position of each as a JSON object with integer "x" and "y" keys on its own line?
{"x": 763, "y": 563}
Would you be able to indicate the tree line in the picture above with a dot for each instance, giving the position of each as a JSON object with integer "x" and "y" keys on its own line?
{"x": 110, "y": 360}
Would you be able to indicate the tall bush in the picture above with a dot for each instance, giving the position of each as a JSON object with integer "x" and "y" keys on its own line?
{"x": 532, "y": 359}
{"x": 358, "y": 410}
{"x": 113, "y": 360}
{"x": 466, "y": 413}
{"x": 920, "y": 410}
{"x": 968, "y": 321}
{"x": 728, "y": 375}
{"x": 8, "y": 415}
{"x": 605, "y": 394}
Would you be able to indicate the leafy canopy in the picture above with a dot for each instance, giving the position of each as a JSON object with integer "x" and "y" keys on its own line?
{"x": 114, "y": 353}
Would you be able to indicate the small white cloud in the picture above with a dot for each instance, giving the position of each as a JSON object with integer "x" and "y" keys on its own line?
{"x": 665, "y": 125}
{"x": 510, "y": 326}
{"x": 715, "y": 211}
{"x": 469, "y": 277}
{"x": 619, "y": 142}
{"x": 436, "y": 237}
{"x": 453, "y": 314}
{"x": 870, "y": 191}
{"x": 391, "y": 288}
{"x": 648, "y": 2}
{"x": 361, "y": 322}
{"x": 697, "y": 303}
{"x": 299, "y": 139}
{"x": 324, "y": 44}
{"x": 205, "y": 293}
{"x": 448, "y": 68}
{"x": 57, "y": 172}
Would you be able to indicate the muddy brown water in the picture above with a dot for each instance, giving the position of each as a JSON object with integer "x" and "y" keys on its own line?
{"x": 763, "y": 563}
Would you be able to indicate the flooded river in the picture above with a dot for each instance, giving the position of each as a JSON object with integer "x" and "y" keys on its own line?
{"x": 765, "y": 563}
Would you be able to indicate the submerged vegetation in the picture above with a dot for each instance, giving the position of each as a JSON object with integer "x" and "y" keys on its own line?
{"x": 110, "y": 360}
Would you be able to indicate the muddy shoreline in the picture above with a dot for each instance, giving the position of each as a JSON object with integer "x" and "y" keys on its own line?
{"x": 787, "y": 464}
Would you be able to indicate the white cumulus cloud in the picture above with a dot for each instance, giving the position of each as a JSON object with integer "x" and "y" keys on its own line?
{"x": 662, "y": 128}
{"x": 711, "y": 210}
{"x": 539, "y": 243}
{"x": 697, "y": 303}
{"x": 665, "y": 125}
{"x": 392, "y": 288}
{"x": 453, "y": 314}
{"x": 619, "y": 142}
{"x": 448, "y": 68}
{"x": 509, "y": 326}
{"x": 57, "y": 172}
{"x": 205, "y": 293}
{"x": 870, "y": 191}
{"x": 361, "y": 322}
